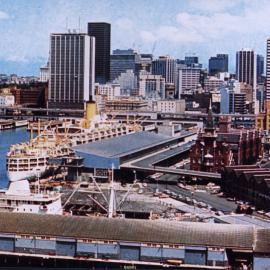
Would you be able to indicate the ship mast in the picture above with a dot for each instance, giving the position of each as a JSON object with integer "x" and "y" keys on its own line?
{"x": 112, "y": 201}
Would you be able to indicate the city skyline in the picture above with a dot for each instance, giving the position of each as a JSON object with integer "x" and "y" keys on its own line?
{"x": 175, "y": 28}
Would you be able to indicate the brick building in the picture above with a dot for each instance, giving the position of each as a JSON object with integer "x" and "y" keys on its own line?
{"x": 35, "y": 96}
{"x": 249, "y": 183}
{"x": 224, "y": 146}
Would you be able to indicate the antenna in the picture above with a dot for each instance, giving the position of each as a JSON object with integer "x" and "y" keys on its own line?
{"x": 79, "y": 24}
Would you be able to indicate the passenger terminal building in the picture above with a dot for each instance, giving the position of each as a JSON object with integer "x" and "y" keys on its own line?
{"x": 118, "y": 150}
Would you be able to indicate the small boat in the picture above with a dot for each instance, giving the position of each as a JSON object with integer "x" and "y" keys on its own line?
{"x": 21, "y": 123}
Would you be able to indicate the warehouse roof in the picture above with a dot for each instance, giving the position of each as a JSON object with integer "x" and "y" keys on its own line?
{"x": 145, "y": 231}
{"x": 122, "y": 145}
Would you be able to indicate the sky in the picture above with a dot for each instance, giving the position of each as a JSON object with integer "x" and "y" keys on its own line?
{"x": 164, "y": 27}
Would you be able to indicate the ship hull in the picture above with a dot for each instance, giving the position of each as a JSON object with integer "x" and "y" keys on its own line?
{"x": 21, "y": 175}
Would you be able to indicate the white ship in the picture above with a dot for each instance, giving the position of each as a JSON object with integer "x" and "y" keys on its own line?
{"x": 18, "y": 198}
{"x": 30, "y": 159}
{"x": 27, "y": 160}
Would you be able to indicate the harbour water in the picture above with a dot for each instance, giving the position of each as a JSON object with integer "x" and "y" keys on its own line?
{"x": 8, "y": 137}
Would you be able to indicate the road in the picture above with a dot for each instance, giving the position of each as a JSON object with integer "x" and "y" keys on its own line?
{"x": 220, "y": 204}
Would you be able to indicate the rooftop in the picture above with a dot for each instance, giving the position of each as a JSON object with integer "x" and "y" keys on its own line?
{"x": 145, "y": 231}
{"x": 122, "y": 145}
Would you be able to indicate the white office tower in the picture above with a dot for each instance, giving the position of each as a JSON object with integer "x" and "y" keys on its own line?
{"x": 188, "y": 80}
{"x": 72, "y": 70}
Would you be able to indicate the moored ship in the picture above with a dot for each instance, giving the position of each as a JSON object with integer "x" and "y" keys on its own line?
{"x": 31, "y": 159}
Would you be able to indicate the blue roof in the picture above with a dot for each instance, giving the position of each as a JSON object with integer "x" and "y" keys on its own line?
{"x": 122, "y": 145}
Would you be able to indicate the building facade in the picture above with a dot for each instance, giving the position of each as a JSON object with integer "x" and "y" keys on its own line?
{"x": 212, "y": 83}
{"x": 218, "y": 63}
{"x": 110, "y": 90}
{"x": 232, "y": 100}
{"x": 44, "y": 73}
{"x": 216, "y": 148}
{"x": 171, "y": 106}
{"x": 263, "y": 119}
{"x": 249, "y": 183}
{"x": 102, "y": 33}
{"x": 121, "y": 61}
{"x": 72, "y": 70}
{"x": 246, "y": 71}
{"x": 151, "y": 86}
{"x": 188, "y": 79}
{"x": 260, "y": 67}
{"x": 6, "y": 98}
{"x": 166, "y": 67}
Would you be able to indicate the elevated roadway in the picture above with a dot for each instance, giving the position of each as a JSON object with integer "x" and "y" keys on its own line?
{"x": 148, "y": 164}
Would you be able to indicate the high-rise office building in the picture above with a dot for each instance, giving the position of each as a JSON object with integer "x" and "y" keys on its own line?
{"x": 121, "y": 61}
{"x": 102, "y": 32}
{"x": 190, "y": 61}
{"x": 166, "y": 67}
{"x": 267, "y": 90}
{"x": 188, "y": 79}
{"x": 246, "y": 70}
{"x": 72, "y": 70}
{"x": 218, "y": 63}
{"x": 260, "y": 67}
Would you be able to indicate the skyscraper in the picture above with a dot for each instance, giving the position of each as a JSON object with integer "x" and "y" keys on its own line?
{"x": 260, "y": 67}
{"x": 121, "y": 61}
{"x": 72, "y": 70}
{"x": 267, "y": 90}
{"x": 246, "y": 70}
{"x": 166, "y": 67}
{"x": 188, "y": 79}
{"x": 102, "y": 32}
{"x": 218, "y": 63}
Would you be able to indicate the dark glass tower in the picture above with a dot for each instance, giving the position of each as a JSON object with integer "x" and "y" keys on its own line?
{"x": 102, "y": 32}
{"x": 218, "y": 64}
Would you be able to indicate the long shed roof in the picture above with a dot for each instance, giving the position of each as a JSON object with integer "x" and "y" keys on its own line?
{"x": 145, "y": 231}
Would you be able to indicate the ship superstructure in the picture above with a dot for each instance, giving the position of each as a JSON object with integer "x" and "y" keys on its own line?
{"x": 31, "y": 159}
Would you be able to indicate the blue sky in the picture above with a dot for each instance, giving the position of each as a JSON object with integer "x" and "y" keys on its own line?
{"x": 176, "y": 27}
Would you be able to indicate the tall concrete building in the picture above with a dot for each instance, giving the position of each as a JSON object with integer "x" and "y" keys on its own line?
{"x": 102, "y": 32}
{"x": 267, "y": 90}
{"x": 188, "y": 79}
{"x": 151, "y": 86}
{"x": 166, "y": 67}
{"x": 218, "y": 63}
{"x": 72, "y": 70}
{"x": 246, "y": 70}
{"x": 263, "y": 119}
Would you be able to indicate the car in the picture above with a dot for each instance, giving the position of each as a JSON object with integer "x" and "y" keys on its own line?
{"x": 261, "y": 212}
{"x": 163, "y": 196}
{"x": 230, "y": 199}
{"x": 240, "y": 202}
{"x": 180, "y": 197}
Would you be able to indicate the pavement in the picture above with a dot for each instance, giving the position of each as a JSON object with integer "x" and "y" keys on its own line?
{"x": 220, "y": 204}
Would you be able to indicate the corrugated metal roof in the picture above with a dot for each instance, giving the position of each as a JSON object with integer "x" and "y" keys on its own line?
{"x": 172, "y": 232}
{"x": 245, "y": 220}
{"x": 262, "y": 241}
{"x": 118, "y": 146}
